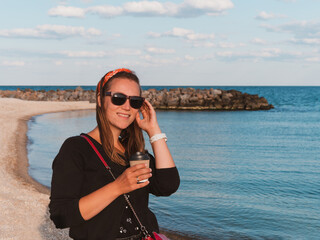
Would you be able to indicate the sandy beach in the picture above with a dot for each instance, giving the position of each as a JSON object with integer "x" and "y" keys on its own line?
{"x": 23, "y": 201}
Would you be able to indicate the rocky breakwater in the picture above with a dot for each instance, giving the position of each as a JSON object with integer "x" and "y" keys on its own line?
{"x": 173, "y": 99}
{"x": 77, "y": 94}
{"x": 205, "y": 99}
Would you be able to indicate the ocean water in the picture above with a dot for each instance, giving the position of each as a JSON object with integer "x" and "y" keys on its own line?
{"x": 244, "y": 174}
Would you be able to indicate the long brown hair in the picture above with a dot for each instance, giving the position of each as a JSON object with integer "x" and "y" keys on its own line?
{"x": 131, "y": 138}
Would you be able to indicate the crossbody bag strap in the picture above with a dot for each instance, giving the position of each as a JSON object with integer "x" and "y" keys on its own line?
{"x": 142, "y": 228}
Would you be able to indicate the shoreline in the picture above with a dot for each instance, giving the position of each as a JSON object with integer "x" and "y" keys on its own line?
{"x": 33, "y": 223}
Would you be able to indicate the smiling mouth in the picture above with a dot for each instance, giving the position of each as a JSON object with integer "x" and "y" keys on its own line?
{"x": 123, "y": 115}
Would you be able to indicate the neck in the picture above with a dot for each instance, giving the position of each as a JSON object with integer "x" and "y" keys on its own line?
{"x": 115, "y": 132}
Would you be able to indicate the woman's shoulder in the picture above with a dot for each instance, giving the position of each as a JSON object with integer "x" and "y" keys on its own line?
{"x": 74, "y": 142}
{"x": 73, "y": 152}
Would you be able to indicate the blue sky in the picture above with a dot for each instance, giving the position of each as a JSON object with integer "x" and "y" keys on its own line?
{"x": 177, "y": 42}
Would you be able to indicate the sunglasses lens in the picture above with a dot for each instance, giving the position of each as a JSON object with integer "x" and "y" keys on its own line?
{"x": 136, "y": 102}
{"x": 118, "y": 99}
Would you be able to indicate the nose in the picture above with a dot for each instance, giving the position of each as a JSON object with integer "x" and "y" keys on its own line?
{"x": 126, "y": 105}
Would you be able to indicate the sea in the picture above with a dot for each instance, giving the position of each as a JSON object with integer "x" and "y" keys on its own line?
{"x": 244, "y": 174}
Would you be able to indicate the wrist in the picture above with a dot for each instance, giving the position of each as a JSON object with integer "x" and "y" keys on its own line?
{"x": 154, "y": 131}
{"x": 157, "y": 137}
{"x": 115, "y": 189}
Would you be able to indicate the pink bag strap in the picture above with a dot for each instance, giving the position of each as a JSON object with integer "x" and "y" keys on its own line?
{"x": 96, "y": 150}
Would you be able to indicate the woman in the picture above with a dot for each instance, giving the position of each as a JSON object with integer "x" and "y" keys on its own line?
{"x": 84, "y": 195}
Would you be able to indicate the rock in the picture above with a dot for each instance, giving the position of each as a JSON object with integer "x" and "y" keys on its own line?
{"x": 173, "y": 101}
{"x": 79, "y": 89}
{"x": 216, "y": 92}
{"x": 193, "y": 99}
{"x": 145, "y": 94}
{"x": 229, "y": 95}
{"x": 184, "y": 99}
{"x": 218, "y": 106}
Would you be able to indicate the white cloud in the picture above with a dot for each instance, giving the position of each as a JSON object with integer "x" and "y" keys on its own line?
{"x": 150, "y": 8}
{"x": 116, "y": 35}
{"x": 313, "y": 59}
{"x": 153, "y": 61}
{"x": 106, "y": 11}
{"x": 230, "y": 45}
{"x": 300, "y": 29}
{"x": 50, "y": 32}
{"x": 100, "y": 54}
{"x": 266, "y": 16}
{"x": 12, "y": 63}
{"x": 58, "y": 63}
{"x": 203, "y": 44}
{"x": 64, "y": 11}
{"x": 307, "y": 41}
{"x": 84, "y": 54}
{"x": 154, "y": 50}
{"x": 194, "y": 8}
{"x": 127, "y": 52}
{"x": 268, "y": 53}
{"x": 188, "y": 8}
{"x": 189, "y": 58}
{"x": 226, "y": 45}
{"x": 210, "y": 5}
{"x": 186, "y": 34}
{"x": 154, "y": 34}
{"x": 259, "y": 41}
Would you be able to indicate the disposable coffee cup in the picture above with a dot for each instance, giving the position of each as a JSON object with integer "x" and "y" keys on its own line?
{"x": 139, "y": 158}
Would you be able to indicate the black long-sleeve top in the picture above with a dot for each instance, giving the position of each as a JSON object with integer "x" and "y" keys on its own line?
{"x": 77, "y": 172}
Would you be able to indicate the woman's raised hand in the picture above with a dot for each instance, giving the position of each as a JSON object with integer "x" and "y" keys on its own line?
{"x": 149, "y": 122}
{"x": 128, "y": 180}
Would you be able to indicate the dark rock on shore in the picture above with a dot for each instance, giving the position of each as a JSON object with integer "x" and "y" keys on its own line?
{"x": 204, "y": 99}
{"x": 173, "y": 99}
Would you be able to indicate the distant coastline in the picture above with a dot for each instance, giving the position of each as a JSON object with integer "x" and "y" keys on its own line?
{"x": 181, "y": 98}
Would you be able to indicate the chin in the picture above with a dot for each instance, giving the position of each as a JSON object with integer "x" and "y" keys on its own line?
{"x": 123, "y": 126}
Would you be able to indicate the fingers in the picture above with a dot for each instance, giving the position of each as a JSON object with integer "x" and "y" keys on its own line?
{"x": 148, "y": 105}
{"x": 138, "y": 119}
{"x": 142, "y": 184}
{"x": 137, "y": 167}
{"x": 128, "y": 180}
{"x": 143, "y": 177}
{"x": 142, "y": 173}
{"x": 145, "y": 110}
{"x": 138, "y": 173}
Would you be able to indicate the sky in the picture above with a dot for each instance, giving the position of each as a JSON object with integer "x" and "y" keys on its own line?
{"x": 174, "y": 42}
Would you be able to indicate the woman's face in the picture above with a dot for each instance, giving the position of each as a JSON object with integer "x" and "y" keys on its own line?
{"x": 120, "y": 117}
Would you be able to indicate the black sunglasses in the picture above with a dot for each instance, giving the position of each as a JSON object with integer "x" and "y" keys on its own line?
{"x": 120, "y": 98}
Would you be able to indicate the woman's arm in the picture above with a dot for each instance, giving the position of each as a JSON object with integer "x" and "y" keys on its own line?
{"x": 95, "y": 202}
{"x": 150, "y": 124}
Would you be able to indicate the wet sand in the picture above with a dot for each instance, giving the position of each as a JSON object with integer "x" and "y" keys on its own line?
{"x": 24, "y": 201}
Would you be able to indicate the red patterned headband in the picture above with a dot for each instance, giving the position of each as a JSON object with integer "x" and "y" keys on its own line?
{"x": 110, "y": 75}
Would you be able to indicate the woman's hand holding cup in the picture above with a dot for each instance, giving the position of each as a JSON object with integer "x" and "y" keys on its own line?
{"x": 130, "y": 179}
